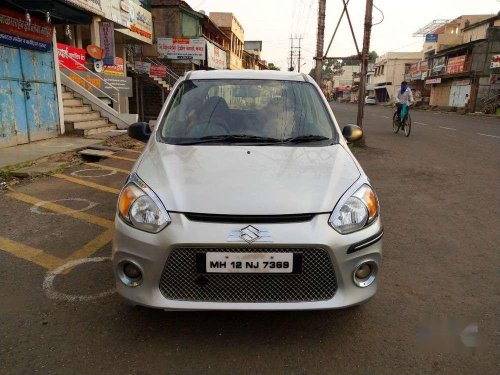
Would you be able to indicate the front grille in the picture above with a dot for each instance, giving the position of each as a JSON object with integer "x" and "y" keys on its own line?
{"x": 316, "y": 282}
{"x": 215, "y": 218}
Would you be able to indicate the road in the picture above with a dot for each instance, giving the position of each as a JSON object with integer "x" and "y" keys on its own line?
{"x": 439, "y": 193}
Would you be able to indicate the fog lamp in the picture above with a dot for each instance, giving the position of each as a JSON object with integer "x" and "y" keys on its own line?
{"x": 365, "y": 274}
{"x": 130, "y": 273}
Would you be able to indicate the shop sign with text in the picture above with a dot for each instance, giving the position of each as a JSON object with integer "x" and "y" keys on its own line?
{"x": 93, "y": 6}
{"x": 115, "y": 70}
{"x": 97, "y": 83}
{"x": 70, "y": 57}
{"x": 455, "y": 65}
{"x": 182, "y": 48}
{"x": 106, "y": 33}
{"x": 15, "y": 31}
{"x": 216, "y": 57}
{"x": 158, "y": 70}
{"x": 142, "y": 67}
{"x": 495, "y": 62}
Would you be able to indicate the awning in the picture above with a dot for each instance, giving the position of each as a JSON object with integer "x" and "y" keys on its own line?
{"x": 379, "y": 87}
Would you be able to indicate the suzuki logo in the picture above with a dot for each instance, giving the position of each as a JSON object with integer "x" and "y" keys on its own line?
{"x": 249, "y": 234}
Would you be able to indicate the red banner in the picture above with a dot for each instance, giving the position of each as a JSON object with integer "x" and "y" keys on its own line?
{"x": 158, "y": 71}
{"x": 455, "y": 65}
{"x": 14, "y": 23}
{"x": 71, "y": 57}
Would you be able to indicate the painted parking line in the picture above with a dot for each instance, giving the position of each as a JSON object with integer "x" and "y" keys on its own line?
{"x": 444, "y": 127}
{"x": 489, "y": 135}
{"x": 92, "y": 246}
{"x": 48, "y": 261}
{"x": 29, "y": 253}
{"x": 105, "y": 223}
{"x": 87, "y": 183}
{"x": 106, "y": 167}
{"x": 120, "y": 158}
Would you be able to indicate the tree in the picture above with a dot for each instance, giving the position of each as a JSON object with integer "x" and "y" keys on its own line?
{"x": 335, "y": 67}
{"x": 271, "y": 66}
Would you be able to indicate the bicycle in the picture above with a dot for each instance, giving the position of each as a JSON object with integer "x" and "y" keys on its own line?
{"x": 398, "y": 124}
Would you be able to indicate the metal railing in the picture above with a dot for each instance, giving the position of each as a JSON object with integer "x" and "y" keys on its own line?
{"x": 171, "y": 76}
{"x": 117, "y": 100}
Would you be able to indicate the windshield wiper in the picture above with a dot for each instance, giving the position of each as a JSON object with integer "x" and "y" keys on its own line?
{"x": 231, "y": 138}
{"x": 306, "y": 138}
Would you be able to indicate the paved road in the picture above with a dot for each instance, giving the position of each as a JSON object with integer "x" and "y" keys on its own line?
{"x": 440, "y": 200}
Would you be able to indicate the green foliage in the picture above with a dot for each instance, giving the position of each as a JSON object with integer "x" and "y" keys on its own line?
{"x": 271, "y": 66}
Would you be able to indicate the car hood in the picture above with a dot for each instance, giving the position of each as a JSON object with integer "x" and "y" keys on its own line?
{"x": 247, "y": 180}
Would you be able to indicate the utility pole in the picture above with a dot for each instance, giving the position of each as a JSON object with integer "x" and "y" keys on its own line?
{"x": 365, "y": 54}
{"x": 300, "y": 49}
{"x": 291, "y": 54}
{"x": 320, "y": 41}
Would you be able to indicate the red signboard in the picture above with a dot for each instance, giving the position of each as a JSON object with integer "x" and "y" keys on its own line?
{"x": 15, "y": 30}
{"x": 455, "y": 65}
{"x": 158, "y": 71}
{"x": 117, "y": 70}
{"x": 71, "y": 57}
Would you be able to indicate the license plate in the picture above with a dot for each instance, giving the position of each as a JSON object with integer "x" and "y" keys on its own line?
{"x": 249, "y": 262}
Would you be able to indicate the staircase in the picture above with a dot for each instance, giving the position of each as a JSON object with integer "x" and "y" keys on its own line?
{"x": 80, "y": 119}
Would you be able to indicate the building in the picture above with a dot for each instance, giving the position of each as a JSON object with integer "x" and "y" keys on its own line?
{"x": 251, "y": 54}
{"x": 228, "y": 23}
{"x": 389, "y": 72}
{"x": 51, "y": 73}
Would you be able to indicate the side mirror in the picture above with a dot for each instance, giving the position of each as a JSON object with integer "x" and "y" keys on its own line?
{"x": 352, "y": 133}
{"x": 140, "y": 131}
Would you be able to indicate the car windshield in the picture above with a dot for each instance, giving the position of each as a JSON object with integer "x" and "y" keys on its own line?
{"x": 261, "y": 112}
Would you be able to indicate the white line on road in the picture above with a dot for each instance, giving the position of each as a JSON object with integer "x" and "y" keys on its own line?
{"x": 385, "y": 116}
{"x": 421, "y": 123}
{"x": 489, "y": 135}
{"x": 444, "y": 127}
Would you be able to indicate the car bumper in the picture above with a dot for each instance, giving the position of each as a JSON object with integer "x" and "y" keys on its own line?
{"x": 151, "y": 251}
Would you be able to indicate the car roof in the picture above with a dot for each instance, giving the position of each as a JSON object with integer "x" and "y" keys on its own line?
{"x": 247, "y": 74}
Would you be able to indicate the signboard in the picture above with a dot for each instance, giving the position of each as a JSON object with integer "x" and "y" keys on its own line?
{"x": 140, "y": 22}
{"x": 433, "y": 81}
{"x": 117, "y": 11}
{"x": 216, "y": 57}
{"x": 93, "y": 6}
{"x": 15, "y": 31}
{"x": 158, "y": 71}
{"x": 106, "y": 33}
{"x": 462, "y": 82}
{"x": 438, "y": 66}
{"x": 455, "y": 65}
{"x": 431, "y": 38}
{"x": 142, "y": 67}
{"x": 182, "y": 48}
{"x": 115, "y": 70}
{"x": 495, "y": 62}
{"x": 91, "y": 83}
{"x": 71, "y": 58}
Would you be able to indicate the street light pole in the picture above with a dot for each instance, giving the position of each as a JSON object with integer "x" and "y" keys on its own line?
{"x": 320, "y": 41}
{"x": 365, "y": 54}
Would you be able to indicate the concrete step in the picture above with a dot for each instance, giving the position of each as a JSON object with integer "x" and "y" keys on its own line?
{"x": 79, "y": 109}
{"x": 91, "y": 124}
{"x": 72, "y": 102}
{"x": 95, "y": 131}
{"x": 73, "y": 117}
{"x": 67, "y": 95}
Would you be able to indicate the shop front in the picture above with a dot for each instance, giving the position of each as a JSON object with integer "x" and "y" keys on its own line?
{"x": 28, "y": 95}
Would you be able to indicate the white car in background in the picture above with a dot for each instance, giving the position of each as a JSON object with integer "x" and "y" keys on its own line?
{"x": 370, "y": 100}
{"x": 247, "y": 197}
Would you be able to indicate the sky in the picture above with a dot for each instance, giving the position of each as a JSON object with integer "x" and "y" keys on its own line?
{"x": 273, "y": 21}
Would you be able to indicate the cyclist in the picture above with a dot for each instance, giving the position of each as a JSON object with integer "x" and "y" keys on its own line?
{"x": 404, "y": 96}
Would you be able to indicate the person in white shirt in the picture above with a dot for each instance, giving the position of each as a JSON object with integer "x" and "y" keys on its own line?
{"x": 404, "y": 96}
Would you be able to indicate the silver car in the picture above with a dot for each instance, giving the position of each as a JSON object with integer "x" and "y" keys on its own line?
{"x": 247, "y": 197}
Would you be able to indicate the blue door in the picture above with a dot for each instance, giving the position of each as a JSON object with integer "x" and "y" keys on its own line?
{"x": 28, "y": 100}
